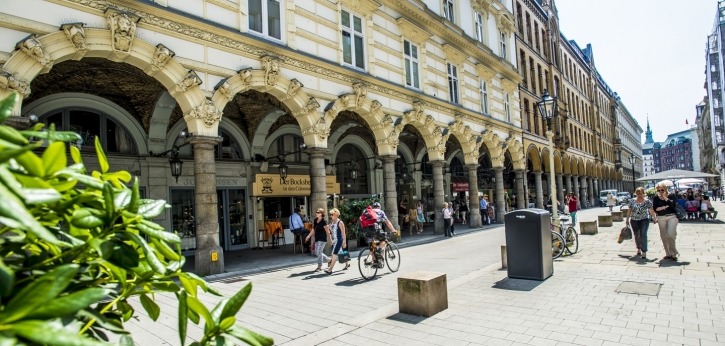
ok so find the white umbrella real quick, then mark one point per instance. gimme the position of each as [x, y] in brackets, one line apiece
[666, 182]
[691, 181]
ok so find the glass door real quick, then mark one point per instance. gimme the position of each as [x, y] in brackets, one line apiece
[232, 218]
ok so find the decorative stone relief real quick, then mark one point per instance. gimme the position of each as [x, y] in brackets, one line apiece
[190, 80]
[417, 113]
[12, 83]
[123, 29]
[226, 90]
[246, 76]
[33, 48]
[412, 31]
[361, 93]
[76, 34]
[485, 72]
[375, 107]
[312, 104]
[453, 54]
[319, 129]
[457, 125]
[162, 55]
[271, 66]
[440, 139]
[392, 140]
[365, 7]
[386, 122]
[207, 112]
[294, 87]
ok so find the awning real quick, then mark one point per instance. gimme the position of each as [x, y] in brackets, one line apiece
[459, 184]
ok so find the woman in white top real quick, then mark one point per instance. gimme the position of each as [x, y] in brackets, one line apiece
[447, 219]
[611, 201]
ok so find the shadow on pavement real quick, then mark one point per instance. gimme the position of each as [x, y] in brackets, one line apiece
[671, 263]
[405, 318]
[353, 282]
[517, 284]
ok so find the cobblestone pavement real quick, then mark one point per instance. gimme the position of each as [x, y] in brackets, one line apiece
[579, 304]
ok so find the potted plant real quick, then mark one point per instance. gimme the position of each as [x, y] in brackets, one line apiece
[349, 214]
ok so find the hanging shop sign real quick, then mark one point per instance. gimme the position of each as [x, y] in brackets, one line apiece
[459, 185]
[271, 185]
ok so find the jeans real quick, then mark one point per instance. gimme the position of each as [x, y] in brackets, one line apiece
[484, 216]
[573, 218]
[668, 233]
[639, 230]
[447, 226]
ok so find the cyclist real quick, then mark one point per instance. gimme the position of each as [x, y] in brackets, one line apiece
[380, 232]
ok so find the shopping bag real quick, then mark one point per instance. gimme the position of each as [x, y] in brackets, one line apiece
[343, 256]
[625, 234]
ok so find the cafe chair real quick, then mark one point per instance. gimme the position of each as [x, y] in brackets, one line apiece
[262, 239]
[278, 237]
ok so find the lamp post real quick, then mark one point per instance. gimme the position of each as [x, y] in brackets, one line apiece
[548, 107]
[632, 159]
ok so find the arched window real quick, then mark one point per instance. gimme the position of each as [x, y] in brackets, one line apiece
[228, 149]
[287, 144]
[90, 124]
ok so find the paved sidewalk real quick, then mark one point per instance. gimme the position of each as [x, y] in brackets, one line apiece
[579, 304]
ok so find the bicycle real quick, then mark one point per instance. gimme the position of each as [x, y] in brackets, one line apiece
[567, 240]
[369, 263]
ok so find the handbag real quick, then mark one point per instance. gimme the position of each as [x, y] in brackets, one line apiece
[624, 234]
[681, 215]
[343, 256]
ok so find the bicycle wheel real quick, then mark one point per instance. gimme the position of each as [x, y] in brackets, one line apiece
[392, 257]
[366, 264]
[557, 245]
[572, 240]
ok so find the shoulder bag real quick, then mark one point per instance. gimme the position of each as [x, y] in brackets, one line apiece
[681, 214]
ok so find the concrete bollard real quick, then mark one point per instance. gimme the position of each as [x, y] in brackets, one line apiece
[422, 293]
[588, 227]
[504, 260]
[617, 216]
[605, 220]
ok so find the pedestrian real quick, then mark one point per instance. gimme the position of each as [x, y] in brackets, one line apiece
[421, 215]
[707, 209]
[339, 238]
[413, 219]
[572, 202]
[491, 214]
[402, 212]
[321, 230]
[483, 205]
[638, 215]
[447, 220]
[664, 206]
[550, 202]
[297, 227]
[611, 200]
[463, 210]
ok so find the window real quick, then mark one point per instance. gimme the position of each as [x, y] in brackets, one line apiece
[484, 97]
[503, 45]
[265, 17]
[90, 124]
[448, 10]
[507, 108]
[412, 78]
[453, 82]
[353, 51]
[286, 144]
[479, 26]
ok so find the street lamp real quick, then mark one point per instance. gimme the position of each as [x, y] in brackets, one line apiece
[632, 159]
[548, 107]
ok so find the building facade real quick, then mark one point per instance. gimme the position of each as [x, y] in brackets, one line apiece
[708, 156]
[629, 155]
[647, 153]
[714, 82]
[271, 105]
[676, 152]
[585, 142]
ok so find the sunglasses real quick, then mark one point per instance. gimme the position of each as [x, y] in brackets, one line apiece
[318, 212]
[660, 190]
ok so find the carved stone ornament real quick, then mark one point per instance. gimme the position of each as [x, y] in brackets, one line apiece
[76, 34]
[312, 104]
[10, 82]
[365, 7]
[485, 72]
[207, 112]
[271, 66]
[412, 31]
[33, 48]
[361, 93]
[457, 125]
[294, 87]
[454, 55]
[319, 129]
[225, 90]
[392, 140]
[162, 55]
[246, 76]
[375, 106]
[123, 29]
[385, 123]
[416, 113]
[190, 80]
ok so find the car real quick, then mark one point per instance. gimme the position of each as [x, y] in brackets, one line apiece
[603, 196]
[623, 197]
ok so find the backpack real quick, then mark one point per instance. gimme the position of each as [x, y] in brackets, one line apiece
[368, 218]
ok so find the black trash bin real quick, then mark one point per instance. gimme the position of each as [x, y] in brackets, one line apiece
[528, 244]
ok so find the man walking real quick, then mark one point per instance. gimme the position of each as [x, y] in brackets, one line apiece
[483, 205]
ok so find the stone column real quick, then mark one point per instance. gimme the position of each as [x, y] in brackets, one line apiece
[539, 190]
[521, 198]
[559, 190]
[575, 190]
[596, 187]
[500, 200]
[590, 191]
[582, 190]
[438, 194]
[206, 208]
[389, 189]
[474, 212]
[567, 182]
[318, 187]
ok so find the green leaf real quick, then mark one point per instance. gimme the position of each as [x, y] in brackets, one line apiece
[69, 304]
[82, 178]
[249, 336]
[87, 218]
[183, 316]
[196, 306]
[7, 279]
[126, 309]
[112, 324]
[166, 286]
[236, 301]
[12, 135]
[7, 105]
[38, 292]
[116, 178]
[52, 136]
[102, 160]
[165, 250]
[40, 196]
[188, 283]
[126, 340]
[75, 154]
[12, 208]
[42, 332]
[121, 254]
[135, 197]
[108, 201]
[150, 306]
[149, 254]
[9, 153]
[54, 157]
[227, 323]
[122, 198]
[204, 286]
[157, 234]
[32, 163]
[152, 209]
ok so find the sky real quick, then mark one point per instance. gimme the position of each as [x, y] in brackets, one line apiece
[651, 52]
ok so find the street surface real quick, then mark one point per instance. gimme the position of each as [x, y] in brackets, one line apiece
[579, 304]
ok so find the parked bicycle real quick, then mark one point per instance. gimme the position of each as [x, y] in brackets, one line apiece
[369, 261]
[565, 240]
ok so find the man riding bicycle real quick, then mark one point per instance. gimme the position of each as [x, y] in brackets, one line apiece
[379, 234]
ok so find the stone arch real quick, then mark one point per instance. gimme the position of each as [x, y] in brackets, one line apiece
[62, 100]
[160, 121]
[290, 92]
[229, 126]
[534, 156]
[590, 169]
[566, 164]
[76, 42]
[468, 140]
[582, 168]
[282, 130]
[495, 146]
[261, 133]
[558, 169]
[356, 141]
[515, 150]
[433, 136]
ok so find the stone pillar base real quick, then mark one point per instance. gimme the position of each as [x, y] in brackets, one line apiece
[605, 220]
[617, 216]
[204, 264]
[588, 227]
[422, 293]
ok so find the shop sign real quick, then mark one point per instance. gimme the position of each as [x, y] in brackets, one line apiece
[460, 186]
[295, 185]
[220, 181]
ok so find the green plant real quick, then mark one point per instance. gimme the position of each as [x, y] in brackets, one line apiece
[75, 247]
[349, 214]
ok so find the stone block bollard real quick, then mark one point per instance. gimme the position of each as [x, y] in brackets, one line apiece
[617, 216]
[588, 227]
[605, 220]
[422, 293]
[504, 259]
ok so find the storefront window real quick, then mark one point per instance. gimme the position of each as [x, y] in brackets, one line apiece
[89, 125]
[182, 217]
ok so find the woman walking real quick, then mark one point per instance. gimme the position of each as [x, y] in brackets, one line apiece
[337, 229]
[463, 209]
[638, 218]
[664, 206]
[413, 219]
[322, 235]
